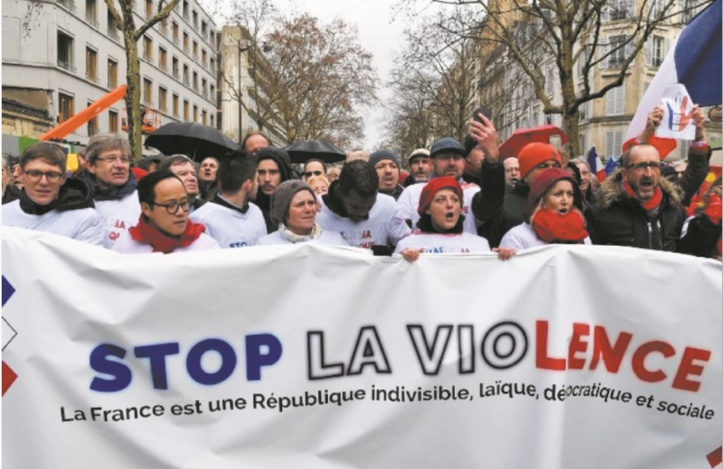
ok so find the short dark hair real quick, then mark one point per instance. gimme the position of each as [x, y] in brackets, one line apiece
[251, 134]
[46, 151]
[173, 160]
[147, 185]
[360, 176]
[323, 165]
[236, 169]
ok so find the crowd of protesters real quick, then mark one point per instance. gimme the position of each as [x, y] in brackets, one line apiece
[456, 197]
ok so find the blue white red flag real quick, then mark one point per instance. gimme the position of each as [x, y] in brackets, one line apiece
[694, 61]
[596, 166]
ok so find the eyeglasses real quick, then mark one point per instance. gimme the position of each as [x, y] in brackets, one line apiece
[545, 165]
[308, 174]
[173, 207]
[52, 176]
[653, 165]
[115, 159]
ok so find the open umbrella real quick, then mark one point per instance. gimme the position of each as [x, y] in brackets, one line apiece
[307, 149]
[521, 137]
[195, 140]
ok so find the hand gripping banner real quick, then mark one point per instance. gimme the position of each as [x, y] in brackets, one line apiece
[314, 357]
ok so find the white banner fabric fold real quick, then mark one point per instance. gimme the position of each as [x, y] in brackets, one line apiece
[315, 357]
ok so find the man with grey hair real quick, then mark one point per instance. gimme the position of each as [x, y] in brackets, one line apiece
[183, 167]
[112, 183]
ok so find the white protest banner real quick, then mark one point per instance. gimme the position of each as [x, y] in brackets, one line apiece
[677, 119]
[301, 356]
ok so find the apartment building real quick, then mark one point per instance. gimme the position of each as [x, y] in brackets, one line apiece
[59, 56]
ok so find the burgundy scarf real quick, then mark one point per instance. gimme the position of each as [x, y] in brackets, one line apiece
[553, 227]
[651, 204]
[161, 242]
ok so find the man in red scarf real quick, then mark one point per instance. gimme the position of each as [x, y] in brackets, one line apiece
[636, 206]
[163, 225]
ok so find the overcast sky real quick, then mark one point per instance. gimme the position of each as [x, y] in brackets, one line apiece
[377, 33]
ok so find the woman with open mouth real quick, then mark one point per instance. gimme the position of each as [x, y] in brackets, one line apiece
[439, 229]
[553, 214]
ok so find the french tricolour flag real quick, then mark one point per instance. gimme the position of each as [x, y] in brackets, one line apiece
[694, 61]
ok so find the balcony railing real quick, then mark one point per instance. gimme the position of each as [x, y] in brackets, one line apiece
[66, 65]
[113, 33]
[92, 20]
[92, 77]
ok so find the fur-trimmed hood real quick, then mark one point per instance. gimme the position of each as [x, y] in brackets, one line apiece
[611, 191]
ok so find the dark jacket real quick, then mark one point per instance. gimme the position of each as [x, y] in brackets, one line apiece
[487, 204]
[11, 194]
[694, 174]
[283, 161]
[73, 195]
[620, 220]
[701, 237]
[510, 208]
[395, 193]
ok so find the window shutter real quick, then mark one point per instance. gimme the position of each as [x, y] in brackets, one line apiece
[609, 144]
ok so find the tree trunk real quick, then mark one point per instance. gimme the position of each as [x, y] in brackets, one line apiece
[133, 96]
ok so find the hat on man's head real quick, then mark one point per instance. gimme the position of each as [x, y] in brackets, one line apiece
[447, 145]
[434, 186]
[281, 198]
[281, 157]
[535, 153]
[380, 155]
[417, 153]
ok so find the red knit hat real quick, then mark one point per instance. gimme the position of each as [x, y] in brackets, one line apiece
[535, 153]
[544, 182]
[434, 186]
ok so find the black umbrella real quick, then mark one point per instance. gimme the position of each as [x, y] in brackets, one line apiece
[195, 140]
[308, 149]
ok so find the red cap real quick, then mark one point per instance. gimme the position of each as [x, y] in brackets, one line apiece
[535, 153]
[434, 186]
[544, 182]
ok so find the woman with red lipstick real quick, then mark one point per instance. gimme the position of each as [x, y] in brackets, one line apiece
[439, 229]
[293, 210]
[553, 214]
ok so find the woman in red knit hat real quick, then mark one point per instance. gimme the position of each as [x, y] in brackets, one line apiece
[553, 213]
[439, 229]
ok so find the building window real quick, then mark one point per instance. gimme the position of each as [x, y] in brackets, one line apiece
[186, 114]
[164, 26]
[195, 20]
[211, 120]
[203, 87]
[195, 50]
[617, 49]
[65, 51]
[615, 101]
[147, 48]
[185, 10]
[175, 67]
[92, 124]
[162, 96]
[174, 32]
[163, 59]
[149, 8]
[91, 12]
[185, 43]
[212, 68]
[91, 64]
[195, 113]
[175, 105]
[185, 74]
[112, 73]
[195, 81]
[658, 52]
[212, 93]
[65, 107]
[147, 91]
[619, 10]
[204, 117]
[112, 28]
[613, 144]
[204, 58]
[204, 28]
[112, 121]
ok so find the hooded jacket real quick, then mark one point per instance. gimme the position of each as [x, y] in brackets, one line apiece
[620, 220]
[283, 161]
[71, 214]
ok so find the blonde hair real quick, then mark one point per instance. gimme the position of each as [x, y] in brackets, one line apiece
[321, 179]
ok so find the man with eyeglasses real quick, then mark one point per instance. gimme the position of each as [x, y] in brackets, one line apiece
[112, 183]
[50, 202]
[163, 225]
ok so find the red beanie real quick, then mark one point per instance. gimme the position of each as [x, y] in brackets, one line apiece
[434, 186]
[544, 182]
[535, 153]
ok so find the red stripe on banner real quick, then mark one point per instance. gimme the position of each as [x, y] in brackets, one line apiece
[715, 458]
[9, 377]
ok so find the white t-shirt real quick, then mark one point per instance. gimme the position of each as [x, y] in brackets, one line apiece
[408, 203]
[329, 238]
[231, 228]
[83, 224]
[119, 215]
[128, 245]
[437, 243]
[385, 225]
[523, 236]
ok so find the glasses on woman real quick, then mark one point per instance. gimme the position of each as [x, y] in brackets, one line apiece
[35, 176]
[172, 208]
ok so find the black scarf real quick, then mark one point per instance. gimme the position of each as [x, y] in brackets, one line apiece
[110, 193]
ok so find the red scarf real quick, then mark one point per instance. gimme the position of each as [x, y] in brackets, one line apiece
[650, 204]
[553, 227]
[713, 210]
[161, 242]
